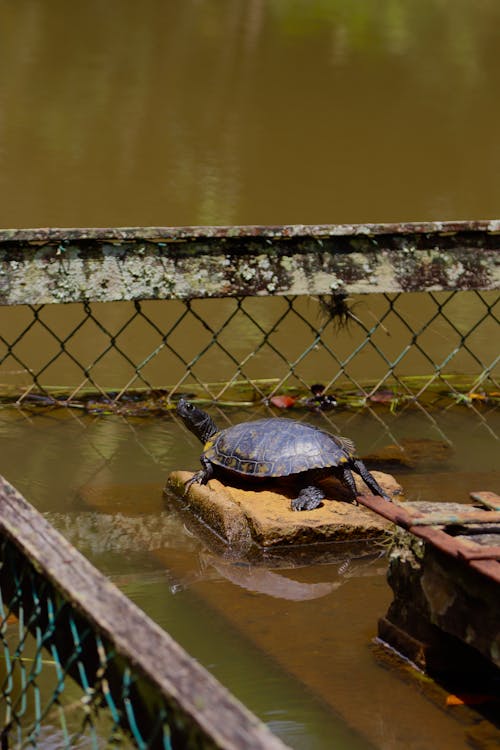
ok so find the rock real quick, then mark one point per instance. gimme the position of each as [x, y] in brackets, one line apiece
[410, 454]
[244, 517]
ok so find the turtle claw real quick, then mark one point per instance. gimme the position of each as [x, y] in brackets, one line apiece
[197, 478]
[308, 499]
[200, 477]
[370, 480]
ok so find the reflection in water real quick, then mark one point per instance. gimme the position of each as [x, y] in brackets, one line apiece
[246, 111]
[261, 580]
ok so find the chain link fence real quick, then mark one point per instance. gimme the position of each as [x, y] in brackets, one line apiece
[247, 349]
[391, 312]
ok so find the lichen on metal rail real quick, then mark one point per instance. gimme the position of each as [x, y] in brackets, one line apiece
[102, 265]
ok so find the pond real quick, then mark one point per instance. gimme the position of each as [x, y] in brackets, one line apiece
[309, 667]
[248, 111]
[182, 112]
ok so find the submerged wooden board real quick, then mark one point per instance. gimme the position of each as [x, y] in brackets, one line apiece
[40, 266]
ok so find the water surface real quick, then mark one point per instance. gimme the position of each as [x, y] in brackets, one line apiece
[309, 668]
[248, 111]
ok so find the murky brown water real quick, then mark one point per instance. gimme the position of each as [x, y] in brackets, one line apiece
[248, 111]
[243, 111]
[309, 668]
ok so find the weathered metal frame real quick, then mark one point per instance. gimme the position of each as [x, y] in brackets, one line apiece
[39, 266]
[201, 713]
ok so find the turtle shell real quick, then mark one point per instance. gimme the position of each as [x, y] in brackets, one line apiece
[276, 448]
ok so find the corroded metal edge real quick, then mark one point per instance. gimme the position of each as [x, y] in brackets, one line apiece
[285, 231]
[201, 711]
[46, 265]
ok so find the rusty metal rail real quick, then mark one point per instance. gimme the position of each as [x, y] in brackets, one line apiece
[435, 528]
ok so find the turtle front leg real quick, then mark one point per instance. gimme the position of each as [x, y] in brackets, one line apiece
[200, 477]
[308, 498]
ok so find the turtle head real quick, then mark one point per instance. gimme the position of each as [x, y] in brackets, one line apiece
[198, 421]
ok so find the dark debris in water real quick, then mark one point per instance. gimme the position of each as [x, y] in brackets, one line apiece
[318, 399]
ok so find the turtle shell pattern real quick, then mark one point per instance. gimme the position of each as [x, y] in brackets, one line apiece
[276, 448]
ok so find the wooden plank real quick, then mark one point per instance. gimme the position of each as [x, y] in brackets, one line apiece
[457, 519]
[113, 264]
[212, 717]
[488, 499]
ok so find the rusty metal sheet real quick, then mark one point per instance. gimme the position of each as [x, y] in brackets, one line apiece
[478, 552]
[39, 266]
[483, 558]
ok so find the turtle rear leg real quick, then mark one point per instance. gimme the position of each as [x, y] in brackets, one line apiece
[200, 477]
[368, 479]
[348, 480]
[308, 498]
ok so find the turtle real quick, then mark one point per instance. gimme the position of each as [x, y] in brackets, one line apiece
[275, 448]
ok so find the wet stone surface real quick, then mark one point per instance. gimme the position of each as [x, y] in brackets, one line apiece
[245, 517]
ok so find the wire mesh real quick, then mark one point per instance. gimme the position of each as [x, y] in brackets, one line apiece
[249, 348]
[61, 685]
